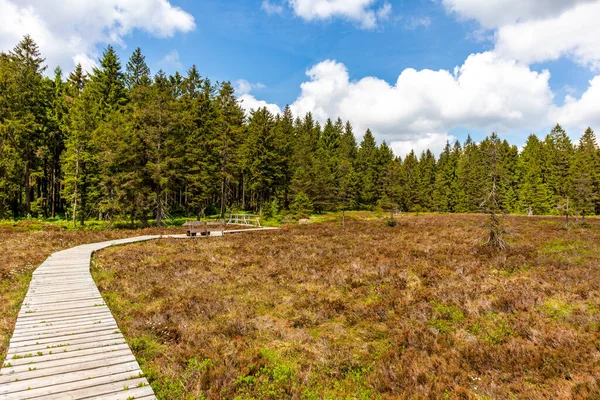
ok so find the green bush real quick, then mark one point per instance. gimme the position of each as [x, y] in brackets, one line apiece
[302, 204]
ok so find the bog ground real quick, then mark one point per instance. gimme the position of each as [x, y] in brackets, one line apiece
[364, 311]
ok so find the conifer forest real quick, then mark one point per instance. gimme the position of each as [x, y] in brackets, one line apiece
[122, 143]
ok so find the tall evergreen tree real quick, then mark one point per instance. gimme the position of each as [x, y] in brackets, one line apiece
[470, 174]
[230, 125]
[107, 83]
[367, 169]
[138, 72]
[76, 81]
[24, 116]
[426, 175]
[584, 174]
[412, 180]
[559, 156]
[259, 153]
[80, 158]
[534, 195]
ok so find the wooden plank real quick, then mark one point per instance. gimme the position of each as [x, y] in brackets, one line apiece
[118, 390]
[70, 382]
[67, 358]
[66, 343]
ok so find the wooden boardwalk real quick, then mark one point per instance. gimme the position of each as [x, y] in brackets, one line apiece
[66, 343]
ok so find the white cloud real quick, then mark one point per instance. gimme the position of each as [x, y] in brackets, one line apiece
[367, 13]
[242, 86]
[249, 103]
[415, 23]
[573, 33]
[170, 61]
[496, 13]
[88, 64]
[536, 31]
[485, 92]
[580, 113]
[69, 31]
[432, 141]
[272, 8]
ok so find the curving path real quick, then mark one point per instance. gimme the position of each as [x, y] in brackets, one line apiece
[66, 343]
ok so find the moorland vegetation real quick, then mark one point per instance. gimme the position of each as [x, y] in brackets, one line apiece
[365, 311]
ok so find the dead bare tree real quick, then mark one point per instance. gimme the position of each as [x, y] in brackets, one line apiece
[491, 205]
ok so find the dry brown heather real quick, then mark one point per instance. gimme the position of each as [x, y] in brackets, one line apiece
[366, 311]
[23, 247]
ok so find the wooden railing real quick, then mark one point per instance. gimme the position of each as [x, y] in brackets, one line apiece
[243, 219]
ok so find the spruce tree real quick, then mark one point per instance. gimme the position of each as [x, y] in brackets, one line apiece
[259, 154]
[230, 127]
[305, 146]
[534, 195]
[412, 180]
[584, 171]
[559, 156]
[25, 103]
[80, 158]
[470, 174]
[107, 83]
[138, 72]
[367, 169]
[76, 81]
[285, 145]
[445, 186]
[426, 175]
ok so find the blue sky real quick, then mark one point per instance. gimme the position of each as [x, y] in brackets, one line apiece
[239, 40]
[517, 60]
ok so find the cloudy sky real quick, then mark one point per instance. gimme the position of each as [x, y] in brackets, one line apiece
[417, 72]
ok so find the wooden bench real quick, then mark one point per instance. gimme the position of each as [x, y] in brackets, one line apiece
[204, 228]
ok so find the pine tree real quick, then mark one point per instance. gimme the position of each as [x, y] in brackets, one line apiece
[393, 183]
[202, 149]
[426, 174]
[470, 174]
[80, 158]
[445, 185]
[259, 153]
[367, 169]
[584, 170]
[304, 148]
[559, 156]
[25, 101]
[412, 180]
[107, 83]
[55, 142]
[77, 81]
[534, 195]
[138, 72]
[230, 125]
[284, 134]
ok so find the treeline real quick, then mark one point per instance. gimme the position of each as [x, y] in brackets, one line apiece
[121, 143]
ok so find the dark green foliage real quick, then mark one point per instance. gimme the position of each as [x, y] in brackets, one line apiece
[120, 144]
[302, 205]
[138, 72]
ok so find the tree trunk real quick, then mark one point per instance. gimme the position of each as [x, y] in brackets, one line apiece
[27, 188]
[75, 192]
[223, 190]
[53, 192]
